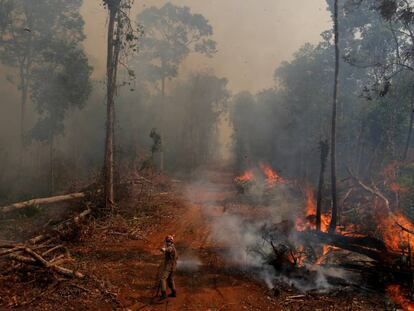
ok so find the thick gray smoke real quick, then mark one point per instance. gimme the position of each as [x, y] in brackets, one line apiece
[239, 232]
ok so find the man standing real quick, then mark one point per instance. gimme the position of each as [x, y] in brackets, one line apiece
[168, 268]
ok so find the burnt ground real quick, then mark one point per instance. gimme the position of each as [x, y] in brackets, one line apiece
[121, 269]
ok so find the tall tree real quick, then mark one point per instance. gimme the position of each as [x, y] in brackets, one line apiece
[199, 102]
[332, 225]
[171, 33]
[26, 30]
[324, 149]
[121, 38]
[67, 73]
[384, 44]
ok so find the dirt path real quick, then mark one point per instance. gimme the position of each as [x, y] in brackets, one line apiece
[203, 282]
[122, 270]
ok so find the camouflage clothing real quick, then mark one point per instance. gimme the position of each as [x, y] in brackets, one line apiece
[168, 268]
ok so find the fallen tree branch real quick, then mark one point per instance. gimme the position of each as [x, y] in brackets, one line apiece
[370, 247]
[404, 228]
[46, 264]
[371, 190]
[42, 201]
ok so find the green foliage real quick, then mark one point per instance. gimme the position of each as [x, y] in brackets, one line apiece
[156, 141]
[42, 39]
[61, 84]
[170, 34]
[30, 212]
[283, 126]
[198, 104]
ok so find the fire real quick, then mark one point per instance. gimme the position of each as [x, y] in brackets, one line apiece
[395, 292]
[326, 249]
[394, 237]
[310, 210]
[271, 176]
[247, 176]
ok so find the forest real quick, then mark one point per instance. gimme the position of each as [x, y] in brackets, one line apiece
[276, 161]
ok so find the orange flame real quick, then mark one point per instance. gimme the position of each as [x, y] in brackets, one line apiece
[271, 176]
[394, 237]
[247, 176]
[395, 292]
[310, 210]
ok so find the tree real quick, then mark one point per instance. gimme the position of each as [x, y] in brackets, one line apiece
[384, 44]
[67, 73]
[26, 30]
[332, 225]
[171, 34]
[121, 38]
[324, 149]
[199, 102]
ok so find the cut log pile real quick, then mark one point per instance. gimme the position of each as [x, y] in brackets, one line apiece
[45, 252]
[41, 252]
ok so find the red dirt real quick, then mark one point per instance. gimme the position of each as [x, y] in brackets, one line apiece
[130, 267]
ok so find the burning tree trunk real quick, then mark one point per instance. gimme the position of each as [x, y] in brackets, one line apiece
[332, 225]
[111, 67]
[324, 148]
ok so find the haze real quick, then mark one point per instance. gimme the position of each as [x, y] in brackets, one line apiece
[253, 37]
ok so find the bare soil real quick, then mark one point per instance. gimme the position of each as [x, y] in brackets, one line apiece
[122, 272]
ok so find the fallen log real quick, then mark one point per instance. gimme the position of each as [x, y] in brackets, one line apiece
[35, 259]
[46, 264]
[42, 201]
[370, 247]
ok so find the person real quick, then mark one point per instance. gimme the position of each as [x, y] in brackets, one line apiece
[168, 267]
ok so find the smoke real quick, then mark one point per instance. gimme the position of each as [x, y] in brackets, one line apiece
[241, 232]
[188, 264]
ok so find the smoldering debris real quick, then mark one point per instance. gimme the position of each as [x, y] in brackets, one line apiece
[248, 236]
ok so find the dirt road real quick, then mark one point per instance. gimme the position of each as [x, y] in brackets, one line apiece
[203, 281]
[122, 269]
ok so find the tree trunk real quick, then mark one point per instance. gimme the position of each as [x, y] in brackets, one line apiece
[110, 110]
[51, 157]
[410, 128]
[162, 127]
[332, 225]
[324, 148]
[23, 104]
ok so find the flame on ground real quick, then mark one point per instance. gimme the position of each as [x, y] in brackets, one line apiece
[394, 237]
[310, 212]
[395, 292]
[272, 177]
[247, 176]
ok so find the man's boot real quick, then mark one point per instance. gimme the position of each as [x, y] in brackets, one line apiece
[163, 295]
[173, 293]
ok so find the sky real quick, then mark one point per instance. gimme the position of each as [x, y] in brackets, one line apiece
[253, 36]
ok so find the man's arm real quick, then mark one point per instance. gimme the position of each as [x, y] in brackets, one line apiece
[168, 249]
